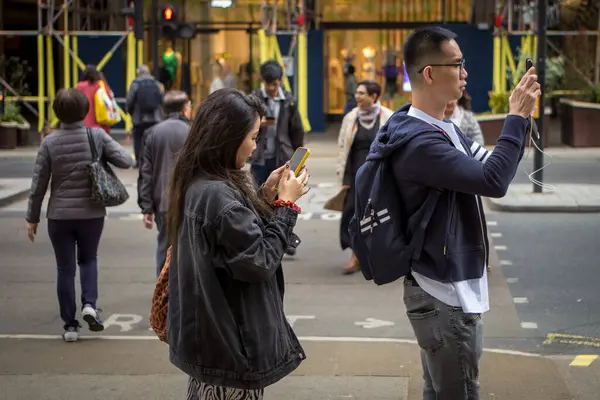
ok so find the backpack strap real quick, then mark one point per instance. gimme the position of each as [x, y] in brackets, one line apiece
[416, 244]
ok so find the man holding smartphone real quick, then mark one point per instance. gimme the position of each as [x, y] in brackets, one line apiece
[281, 132]
[446, 292]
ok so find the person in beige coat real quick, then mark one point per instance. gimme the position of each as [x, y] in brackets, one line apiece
[359, 128]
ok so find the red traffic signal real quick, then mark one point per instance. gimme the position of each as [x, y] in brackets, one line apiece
[169, 13]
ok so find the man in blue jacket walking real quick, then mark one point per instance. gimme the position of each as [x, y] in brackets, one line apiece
[447, 291]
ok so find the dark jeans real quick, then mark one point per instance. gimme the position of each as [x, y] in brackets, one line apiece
[451, 343]
[138, 139]
[71, 237]
[162, 243]
[261, 172]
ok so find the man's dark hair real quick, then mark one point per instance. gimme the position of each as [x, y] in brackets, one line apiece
[70, 106]
[372, 88]
[270, 71]
[423, 45]
[175, 101]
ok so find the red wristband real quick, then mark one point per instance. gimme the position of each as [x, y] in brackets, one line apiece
[290, 204]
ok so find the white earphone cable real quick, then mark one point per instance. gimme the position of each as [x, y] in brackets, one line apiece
[543, 185]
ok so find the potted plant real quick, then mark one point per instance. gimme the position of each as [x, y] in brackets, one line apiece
[23, 137]
[580, 114]
[580, 119]
[15, 71]
[492, 123]
[8, 126]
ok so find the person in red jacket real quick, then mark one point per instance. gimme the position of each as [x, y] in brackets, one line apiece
[89, 85]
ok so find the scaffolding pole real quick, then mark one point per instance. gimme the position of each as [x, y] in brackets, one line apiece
[72, 64]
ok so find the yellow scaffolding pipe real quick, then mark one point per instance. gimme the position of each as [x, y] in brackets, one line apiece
[66, 63]
[274, 46]
[131, 49]
[509, 57]
[302, 72]
[51, 87]
[497, 62]
[41, 94]
[503, 58]
[140, 52]
[263, 46]
[75, 41]
[269, 49]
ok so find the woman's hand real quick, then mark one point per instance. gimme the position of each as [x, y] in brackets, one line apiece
[291, 187]
[270, 186]
[31, 231]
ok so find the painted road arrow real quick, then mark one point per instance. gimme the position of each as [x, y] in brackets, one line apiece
[371, 323]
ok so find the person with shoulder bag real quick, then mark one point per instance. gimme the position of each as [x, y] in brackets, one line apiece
[358, 131]
[226, 326]
[72, 159]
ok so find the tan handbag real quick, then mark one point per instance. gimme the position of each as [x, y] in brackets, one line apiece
[160, 302]
[336, 203]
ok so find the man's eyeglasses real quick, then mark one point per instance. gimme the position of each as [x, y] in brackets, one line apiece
[460, 64]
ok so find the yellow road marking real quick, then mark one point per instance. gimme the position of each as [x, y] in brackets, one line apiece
[583, 360]
[577, 340]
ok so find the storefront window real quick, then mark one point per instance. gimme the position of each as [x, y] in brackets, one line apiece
[395, 10]
[375, 55]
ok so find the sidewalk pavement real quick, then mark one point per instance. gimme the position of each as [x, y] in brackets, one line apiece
[13, 190]
[568, 198]
[334, 369]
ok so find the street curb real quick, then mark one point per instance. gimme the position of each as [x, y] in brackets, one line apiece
[541, 208]
[14, 198]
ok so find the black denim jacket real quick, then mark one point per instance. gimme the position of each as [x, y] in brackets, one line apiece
[226, 324]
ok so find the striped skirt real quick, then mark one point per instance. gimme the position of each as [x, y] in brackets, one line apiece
[204, 391]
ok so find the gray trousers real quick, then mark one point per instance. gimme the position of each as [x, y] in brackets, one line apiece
[162, 242]
[451, 343]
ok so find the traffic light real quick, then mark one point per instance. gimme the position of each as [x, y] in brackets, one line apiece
[135, 18]
[168, 16]
[172, 28]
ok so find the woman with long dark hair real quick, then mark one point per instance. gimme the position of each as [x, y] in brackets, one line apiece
[226, 326]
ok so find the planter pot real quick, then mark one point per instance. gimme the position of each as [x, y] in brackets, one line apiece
[491, 127]
[24, 135]
[580, 122]
[8, 136]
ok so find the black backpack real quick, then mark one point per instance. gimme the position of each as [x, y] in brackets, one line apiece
[148, 96]
[380, 226]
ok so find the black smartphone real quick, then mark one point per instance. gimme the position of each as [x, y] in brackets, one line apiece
[534, 128]
[528, 64]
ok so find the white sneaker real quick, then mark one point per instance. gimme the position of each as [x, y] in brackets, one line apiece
[92, 317]
[71, 334]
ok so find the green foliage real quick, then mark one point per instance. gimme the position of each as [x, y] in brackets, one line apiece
[12, 113]
[555, 71]
[594, 94]
[499, 102]
[15, 72]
